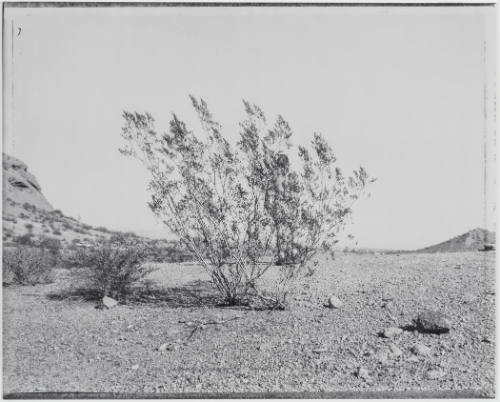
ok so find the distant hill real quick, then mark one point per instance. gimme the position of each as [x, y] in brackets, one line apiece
[29, 218]
[474, 240]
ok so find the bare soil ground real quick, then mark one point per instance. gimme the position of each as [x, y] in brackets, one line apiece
[54, 340]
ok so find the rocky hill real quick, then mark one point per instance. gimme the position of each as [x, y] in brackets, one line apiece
[473, 240]
[21, 187]
[29, 218]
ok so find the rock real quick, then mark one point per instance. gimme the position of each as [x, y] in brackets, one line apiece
[389, 306]
[381, 357]
[135, 367]
[412, 359]
[395, 351]
[20, 186]
[334, 302]
[421, 350]
[434, 374]
[487, 247]
[391, 332]
[468, 298]
[109, 302]
[363, 373]
[432, 322]
[164, 347]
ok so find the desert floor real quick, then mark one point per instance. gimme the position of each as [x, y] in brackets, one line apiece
[55, 341]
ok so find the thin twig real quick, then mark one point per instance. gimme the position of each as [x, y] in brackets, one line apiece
[203, 323]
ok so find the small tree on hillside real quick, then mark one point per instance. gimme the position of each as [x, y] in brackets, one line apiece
[242, 208]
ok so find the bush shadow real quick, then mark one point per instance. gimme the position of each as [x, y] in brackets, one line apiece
[196, 293]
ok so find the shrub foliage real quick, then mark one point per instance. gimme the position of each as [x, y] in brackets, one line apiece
[113, 270]
[27, 266]
[241, 208]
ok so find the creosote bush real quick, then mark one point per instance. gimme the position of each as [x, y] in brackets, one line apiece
[242, 208]
[27, 266]
[113, 270]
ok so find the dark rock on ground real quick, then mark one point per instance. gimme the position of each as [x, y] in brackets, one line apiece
[432, 322]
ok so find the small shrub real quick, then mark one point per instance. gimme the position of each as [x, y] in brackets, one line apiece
[115, 269]
[168, 252]
[57, 232]
[9, 218]
[29, 226]
[27, 266]
[67, 226]
[29, 207]
[51, 244]
[25, 240]
[72, 256]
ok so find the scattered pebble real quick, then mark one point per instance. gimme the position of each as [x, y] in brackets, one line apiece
[164, 347]
[391, 332]
[396, 352]
[421, 350]
[434, 374]
[334, 302]
[363, 373]
[381, 357]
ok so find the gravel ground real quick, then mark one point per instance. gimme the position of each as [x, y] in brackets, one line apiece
[68, 345]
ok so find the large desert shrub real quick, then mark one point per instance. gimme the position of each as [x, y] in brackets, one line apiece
[241, 208]
[113, 269]
[27, 266]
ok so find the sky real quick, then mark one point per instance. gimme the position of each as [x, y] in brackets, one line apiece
[406, 93]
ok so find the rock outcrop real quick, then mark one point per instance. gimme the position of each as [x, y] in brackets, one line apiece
[20, 186]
